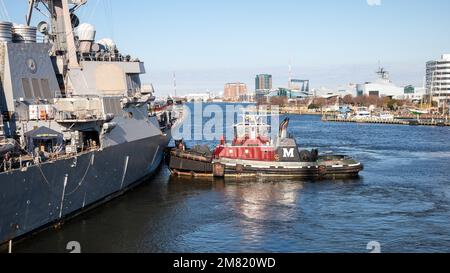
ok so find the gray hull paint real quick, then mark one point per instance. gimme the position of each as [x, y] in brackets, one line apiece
[38, 197]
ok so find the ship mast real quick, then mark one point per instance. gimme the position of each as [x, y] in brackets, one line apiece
[30, 11]
[174, 85]
[290, 75]
[63, 14]
[62, 29]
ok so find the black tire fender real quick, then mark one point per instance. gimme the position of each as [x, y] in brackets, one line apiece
[322, 170]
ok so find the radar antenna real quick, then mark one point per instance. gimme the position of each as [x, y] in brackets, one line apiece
[383, 73]
[63, 21]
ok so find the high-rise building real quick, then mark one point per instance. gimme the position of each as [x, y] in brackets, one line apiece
[438, 79]
[263, 82]
[234, 91]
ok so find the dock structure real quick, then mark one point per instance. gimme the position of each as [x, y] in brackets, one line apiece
[396, 121]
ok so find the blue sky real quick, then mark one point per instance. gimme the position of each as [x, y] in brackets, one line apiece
[331, 42]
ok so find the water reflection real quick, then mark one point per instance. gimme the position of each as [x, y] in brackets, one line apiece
[260, 204]
[256, 200]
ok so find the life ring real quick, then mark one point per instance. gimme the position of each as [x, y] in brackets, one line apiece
[277, 158]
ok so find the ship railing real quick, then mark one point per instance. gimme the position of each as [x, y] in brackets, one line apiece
[13, 163]
[106, 57]
[26, 161]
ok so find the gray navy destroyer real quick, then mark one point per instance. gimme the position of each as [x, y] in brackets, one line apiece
[76, 126]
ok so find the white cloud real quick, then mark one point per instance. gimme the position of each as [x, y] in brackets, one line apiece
[374, 3]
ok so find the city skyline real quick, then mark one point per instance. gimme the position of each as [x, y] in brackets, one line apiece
[329, 42]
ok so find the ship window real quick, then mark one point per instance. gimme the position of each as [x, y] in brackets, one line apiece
[27, 88]
[36, 88]
[45, 87]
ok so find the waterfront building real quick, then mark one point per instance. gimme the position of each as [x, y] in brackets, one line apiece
[263, 82]
[415, 94]
[261, 94]
[299, 85]
[346, 90]
[234, 91]
[249, 97]
[382, 87]
[198, 97]
[378, 88]
[438, 79]
[288, 93]
[263, 86]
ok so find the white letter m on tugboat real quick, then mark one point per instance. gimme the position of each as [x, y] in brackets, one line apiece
[288, 153]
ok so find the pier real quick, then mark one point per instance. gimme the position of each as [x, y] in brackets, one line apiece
[396, 121]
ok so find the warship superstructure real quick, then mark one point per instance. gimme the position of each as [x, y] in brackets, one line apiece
[76, 126]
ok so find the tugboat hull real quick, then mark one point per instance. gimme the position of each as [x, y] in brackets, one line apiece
[193, 164]
[307, 172]
[184, 164]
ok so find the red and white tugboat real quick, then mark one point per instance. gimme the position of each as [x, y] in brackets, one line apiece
[254, 153]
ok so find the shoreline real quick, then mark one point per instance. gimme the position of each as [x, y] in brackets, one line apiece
[396, 121]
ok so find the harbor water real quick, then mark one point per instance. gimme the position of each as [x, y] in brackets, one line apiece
[401, 201]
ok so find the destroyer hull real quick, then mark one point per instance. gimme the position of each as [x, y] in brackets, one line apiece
[50, 193]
